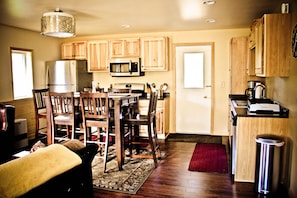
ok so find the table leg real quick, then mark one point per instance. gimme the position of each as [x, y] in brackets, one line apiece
[48, 121]
[120, 153]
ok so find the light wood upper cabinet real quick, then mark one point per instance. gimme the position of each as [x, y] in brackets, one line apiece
[124, 48]
[154, 54]
[272, 33]
[74, 50]
[238, 65]
[97, 56]
[252, 38]
[252, 50]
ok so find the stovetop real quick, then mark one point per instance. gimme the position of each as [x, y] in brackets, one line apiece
[135, 88]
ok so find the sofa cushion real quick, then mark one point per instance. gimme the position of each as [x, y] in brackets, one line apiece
[21, 175]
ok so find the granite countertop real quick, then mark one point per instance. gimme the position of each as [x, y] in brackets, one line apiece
[242, 111]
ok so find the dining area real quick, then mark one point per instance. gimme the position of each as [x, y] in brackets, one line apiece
[109, 119]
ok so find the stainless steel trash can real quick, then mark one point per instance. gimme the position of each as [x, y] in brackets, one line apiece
[268, 163]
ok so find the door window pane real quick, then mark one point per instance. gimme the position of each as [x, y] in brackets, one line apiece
[194, 70]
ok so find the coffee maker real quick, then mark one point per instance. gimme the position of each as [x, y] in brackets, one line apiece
[250, 92]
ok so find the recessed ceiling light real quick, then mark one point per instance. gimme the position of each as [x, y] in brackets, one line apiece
[125, 26]
[210, 20]
[209, 2]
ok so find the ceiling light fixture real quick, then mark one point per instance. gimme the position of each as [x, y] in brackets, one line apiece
[58, 24]
[210, 20]
[209, 2]
[126, 26]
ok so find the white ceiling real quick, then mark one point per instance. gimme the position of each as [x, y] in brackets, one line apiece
[100, 17]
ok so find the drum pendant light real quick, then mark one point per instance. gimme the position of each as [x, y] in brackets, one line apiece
[58, 24]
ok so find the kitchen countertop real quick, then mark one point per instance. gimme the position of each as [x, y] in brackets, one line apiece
[242, 111]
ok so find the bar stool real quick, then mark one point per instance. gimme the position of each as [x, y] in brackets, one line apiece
[141, 142]
[40, 111]
[95, 113]
[126, 111]
[63, 116]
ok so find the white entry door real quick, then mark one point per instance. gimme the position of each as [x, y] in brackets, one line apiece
[193, 103]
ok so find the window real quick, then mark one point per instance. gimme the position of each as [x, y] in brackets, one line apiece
[21, 61]
[194, 70]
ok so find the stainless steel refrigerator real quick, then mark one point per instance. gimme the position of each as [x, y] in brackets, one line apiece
[68, 75]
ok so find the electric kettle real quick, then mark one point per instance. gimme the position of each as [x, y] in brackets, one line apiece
[259, 91]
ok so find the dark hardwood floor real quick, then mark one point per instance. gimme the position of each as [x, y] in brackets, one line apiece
[172, 179]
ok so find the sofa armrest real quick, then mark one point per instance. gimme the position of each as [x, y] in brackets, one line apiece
[75, 183]
[88, 153]
[23, 174]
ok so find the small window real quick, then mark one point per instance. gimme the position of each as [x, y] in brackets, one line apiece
[194, 70]
[21, 61]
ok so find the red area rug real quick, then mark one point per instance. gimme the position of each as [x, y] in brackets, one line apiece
[208, 157]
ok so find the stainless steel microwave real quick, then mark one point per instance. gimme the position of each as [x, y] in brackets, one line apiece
[125, 67]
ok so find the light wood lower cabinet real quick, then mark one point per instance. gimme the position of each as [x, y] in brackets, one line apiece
[247, 130]
[162, 116]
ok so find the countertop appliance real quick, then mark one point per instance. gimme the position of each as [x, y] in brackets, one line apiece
[250, 92]
[68, 75]
[125, 67]
[135, 87]
[259, 91]
[263, 106]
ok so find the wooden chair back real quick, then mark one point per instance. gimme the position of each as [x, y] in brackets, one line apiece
[63, 112]
[95, 109]
[152, 105]
[95, 113]
[40, 110]
[39, 100]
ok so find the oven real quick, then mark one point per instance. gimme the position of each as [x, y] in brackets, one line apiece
[233, 121]
[233, 147]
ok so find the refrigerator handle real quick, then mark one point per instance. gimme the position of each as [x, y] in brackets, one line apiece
[46, 76]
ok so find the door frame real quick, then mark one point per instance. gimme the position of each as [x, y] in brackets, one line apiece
[174, 46]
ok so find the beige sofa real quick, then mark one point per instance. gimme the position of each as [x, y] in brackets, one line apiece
[55, 170]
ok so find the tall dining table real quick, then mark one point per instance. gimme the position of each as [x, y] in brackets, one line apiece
[120, 101]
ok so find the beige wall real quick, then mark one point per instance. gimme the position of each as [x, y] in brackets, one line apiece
[44, 48]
